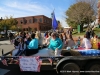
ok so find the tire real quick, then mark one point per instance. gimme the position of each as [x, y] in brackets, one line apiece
[70, 69]
[93, 69]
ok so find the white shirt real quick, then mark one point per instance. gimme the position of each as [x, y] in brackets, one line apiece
[86, 43]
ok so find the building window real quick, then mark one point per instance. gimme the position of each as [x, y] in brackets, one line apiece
[30, 21]
[21, 21]
[45, 21]
[35, 20]
[25, 21]
[40, 19]
[48, 21]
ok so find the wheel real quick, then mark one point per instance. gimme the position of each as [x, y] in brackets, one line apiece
[70, 69]
[93, 69]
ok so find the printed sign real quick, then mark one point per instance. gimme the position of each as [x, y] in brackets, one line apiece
[29, 64]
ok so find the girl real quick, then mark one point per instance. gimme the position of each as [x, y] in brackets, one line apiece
[95, 42]
[16, 43]
[86, 43]
[22, 47]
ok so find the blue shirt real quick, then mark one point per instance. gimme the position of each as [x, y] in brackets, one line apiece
[27, 42]
[33, 44]
[57, 43]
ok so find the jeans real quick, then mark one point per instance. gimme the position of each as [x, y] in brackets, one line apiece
[19, 53]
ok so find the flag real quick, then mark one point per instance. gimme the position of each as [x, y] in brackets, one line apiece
[4, 62]
[54, 21]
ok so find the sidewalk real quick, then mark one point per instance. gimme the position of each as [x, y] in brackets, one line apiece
[6, 42]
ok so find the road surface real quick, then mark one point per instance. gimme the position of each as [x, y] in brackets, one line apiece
[6, 46]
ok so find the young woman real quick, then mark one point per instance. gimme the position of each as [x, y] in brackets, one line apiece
[70, 42]
[32, 48]
[55, 45]
[21, 47]
[94, 42]
[86, 43]
[47, 40]
[16, 43]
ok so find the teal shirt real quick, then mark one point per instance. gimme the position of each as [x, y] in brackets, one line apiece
[57, 43]
[33, 44]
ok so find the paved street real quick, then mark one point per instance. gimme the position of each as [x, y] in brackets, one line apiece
[6, 46]
[6, 42]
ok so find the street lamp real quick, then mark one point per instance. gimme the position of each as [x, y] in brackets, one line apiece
[5, 30]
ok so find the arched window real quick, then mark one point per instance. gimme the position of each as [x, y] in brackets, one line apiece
[30, 21]
[35, 20]
[25, 21]
[40, 19]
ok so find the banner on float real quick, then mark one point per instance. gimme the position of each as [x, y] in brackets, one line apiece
[29, 64]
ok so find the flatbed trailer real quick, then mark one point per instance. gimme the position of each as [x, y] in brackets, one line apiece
[65, 65]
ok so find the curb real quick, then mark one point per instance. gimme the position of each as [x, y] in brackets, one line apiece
[2, 39]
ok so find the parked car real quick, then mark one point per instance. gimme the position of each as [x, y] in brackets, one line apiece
[2, 32]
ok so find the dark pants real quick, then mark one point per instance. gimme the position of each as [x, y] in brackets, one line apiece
[29, 52]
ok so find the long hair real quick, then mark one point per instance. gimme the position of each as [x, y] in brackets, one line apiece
[21, 42]
[70, 37]
[65, 36]
[61, 37]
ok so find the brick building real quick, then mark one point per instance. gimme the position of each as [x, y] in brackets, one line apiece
[40, 22]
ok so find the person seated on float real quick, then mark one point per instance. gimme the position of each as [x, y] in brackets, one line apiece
[95, 42]
[55, 45]
[78, 42]
[70, 42]
[47, 40]
[21, 47]
[86, 43]
[28, 40]
[32, 48]
[16, 43]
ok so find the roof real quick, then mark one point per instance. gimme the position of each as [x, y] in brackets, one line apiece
[32, 16]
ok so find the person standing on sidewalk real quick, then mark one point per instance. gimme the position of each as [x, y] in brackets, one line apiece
[11, 36]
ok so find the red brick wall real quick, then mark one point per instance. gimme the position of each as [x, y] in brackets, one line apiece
[46, 23]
